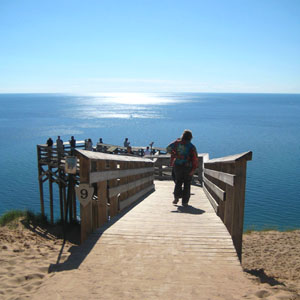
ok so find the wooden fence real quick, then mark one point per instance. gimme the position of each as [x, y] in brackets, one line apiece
[117, 182]
[224, 184]
[136, 150]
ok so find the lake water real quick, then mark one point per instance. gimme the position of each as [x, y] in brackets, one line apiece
[222, 124]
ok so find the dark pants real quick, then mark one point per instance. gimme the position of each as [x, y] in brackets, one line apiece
[182, 178]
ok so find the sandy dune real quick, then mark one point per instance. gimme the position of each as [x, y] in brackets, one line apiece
[273, 257]
[27, 255]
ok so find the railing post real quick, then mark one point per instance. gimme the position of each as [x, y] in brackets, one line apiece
[102, 195]
[113, 201]
[230, 196]
[40, 177]
[238, 206]
[86, 214]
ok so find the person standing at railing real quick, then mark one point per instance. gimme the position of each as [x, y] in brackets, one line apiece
[49, 148]
[72, 142]
[60, 148]
[89, 145]
[126, 143]
[184, 160]
[147, 151]
[50, 142]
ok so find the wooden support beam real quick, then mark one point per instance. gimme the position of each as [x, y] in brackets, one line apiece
[51, 197]
[102, 197]
[85, 211]
[113, 196]
[40, 175]
[238, 207]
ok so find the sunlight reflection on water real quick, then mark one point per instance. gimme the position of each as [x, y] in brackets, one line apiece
[122, 106]
[134, 98]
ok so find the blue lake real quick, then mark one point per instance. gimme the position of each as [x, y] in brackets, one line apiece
[222, 124]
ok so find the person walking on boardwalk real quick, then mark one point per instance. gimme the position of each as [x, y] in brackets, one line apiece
[184, 159]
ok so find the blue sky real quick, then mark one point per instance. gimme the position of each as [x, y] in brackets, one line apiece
[150, 46]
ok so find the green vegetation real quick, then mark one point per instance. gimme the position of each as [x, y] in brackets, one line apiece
[12, 217]
[29, 217]
[15, 218]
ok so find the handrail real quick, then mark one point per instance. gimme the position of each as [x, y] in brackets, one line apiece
[118, 181]
[163, 171]
[224, 184]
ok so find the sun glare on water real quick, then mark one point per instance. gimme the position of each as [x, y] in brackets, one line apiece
[123, 105]
[134, 98]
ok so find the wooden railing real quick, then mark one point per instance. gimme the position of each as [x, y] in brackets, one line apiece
[52, 154]
[224, 184]
[117, 182]
[115, 149]
[163, 171]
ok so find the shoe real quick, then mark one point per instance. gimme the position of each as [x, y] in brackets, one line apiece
[176, 200]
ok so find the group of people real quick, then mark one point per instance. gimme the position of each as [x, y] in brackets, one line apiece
[147, 151]
[184, 160]
[60, 144]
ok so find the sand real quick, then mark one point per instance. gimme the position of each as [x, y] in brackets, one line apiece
[273, 258]
[271, 261]
[26, 256]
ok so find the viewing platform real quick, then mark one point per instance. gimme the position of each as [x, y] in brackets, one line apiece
[137, 245]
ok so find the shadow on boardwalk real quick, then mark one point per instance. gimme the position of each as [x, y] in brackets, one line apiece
[188, 210]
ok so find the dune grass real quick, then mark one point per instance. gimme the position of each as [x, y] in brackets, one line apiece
[11, 218]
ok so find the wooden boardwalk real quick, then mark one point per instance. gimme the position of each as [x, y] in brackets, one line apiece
[155, 251]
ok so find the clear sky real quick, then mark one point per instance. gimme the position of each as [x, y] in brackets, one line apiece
[80, 46]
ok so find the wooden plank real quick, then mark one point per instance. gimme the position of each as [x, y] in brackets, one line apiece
[113, 157]
[125, 187]
[211, 200]
[132, 199]
[231, 158]
[107, 175]
[225, 177]
[86, 221]
[219, 193]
